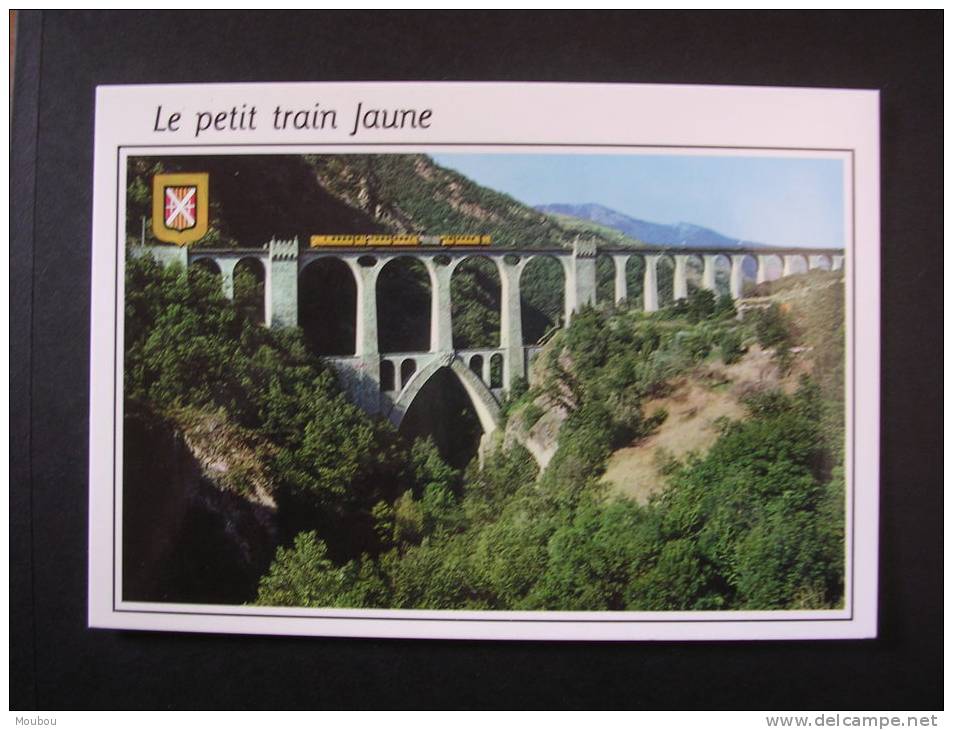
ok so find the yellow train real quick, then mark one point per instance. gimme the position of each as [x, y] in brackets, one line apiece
[402, 239]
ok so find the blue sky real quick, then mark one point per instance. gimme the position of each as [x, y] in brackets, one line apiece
[784, 201]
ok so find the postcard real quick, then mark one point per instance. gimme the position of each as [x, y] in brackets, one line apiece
[485, 361]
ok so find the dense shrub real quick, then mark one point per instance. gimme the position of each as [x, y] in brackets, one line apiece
[730, 346]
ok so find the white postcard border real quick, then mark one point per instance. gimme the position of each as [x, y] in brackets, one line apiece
[847, 121]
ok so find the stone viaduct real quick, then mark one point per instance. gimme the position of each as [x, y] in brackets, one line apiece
[387, 383]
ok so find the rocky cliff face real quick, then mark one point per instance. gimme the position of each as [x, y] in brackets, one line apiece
[199, 515]
[539, 432]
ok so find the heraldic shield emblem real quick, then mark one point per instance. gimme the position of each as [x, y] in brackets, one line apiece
[180, 207]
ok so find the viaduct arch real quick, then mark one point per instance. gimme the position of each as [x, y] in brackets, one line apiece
[484, 402]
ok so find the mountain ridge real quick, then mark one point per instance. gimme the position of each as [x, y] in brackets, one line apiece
[678, 234]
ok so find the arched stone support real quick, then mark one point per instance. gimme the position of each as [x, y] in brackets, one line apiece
[361, 372]
[837, 263]
[485, 405]
[268, 295]
[708, 273]
[763, 263]
[737, 276]
[511, 324]
[788, 266]
[584, 274]
[365, 329]
[225, 261]
[621, 285]
[569, 293]
[441, 321]
[283, 287]
[650, 283]
[226, 270]
[227, 267]
[680, 282]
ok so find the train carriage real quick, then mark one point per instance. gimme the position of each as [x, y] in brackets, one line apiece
[403, 240]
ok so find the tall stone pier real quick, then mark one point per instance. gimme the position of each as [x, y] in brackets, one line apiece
[281, 295]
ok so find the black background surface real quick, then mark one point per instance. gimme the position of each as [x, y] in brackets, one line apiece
[56, 662]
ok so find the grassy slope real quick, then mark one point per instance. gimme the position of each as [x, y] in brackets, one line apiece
[714, 390]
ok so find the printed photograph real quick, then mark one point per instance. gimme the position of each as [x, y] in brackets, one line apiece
[533, 381]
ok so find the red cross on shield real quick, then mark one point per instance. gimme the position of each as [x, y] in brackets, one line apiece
[180, 206]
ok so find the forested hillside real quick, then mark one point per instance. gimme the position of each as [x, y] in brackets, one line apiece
[252, 423]
[754, 523]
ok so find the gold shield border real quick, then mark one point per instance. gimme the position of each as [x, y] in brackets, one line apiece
[159, 183]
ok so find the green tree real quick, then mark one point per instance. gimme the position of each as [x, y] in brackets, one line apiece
[700, 305]
[305, 576]
[730, 346]
[775, 332]
[725, 307]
